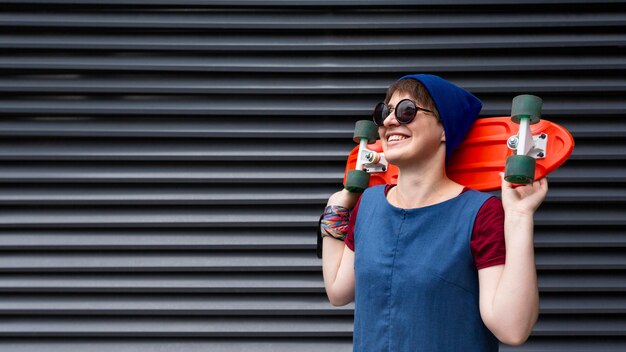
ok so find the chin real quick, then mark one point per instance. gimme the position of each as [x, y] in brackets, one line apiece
[396, 157]
[407, 155]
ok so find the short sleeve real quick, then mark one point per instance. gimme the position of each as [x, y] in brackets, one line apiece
[487, 243]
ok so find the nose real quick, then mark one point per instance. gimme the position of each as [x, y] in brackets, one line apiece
[390, 120]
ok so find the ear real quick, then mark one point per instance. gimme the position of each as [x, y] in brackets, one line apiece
[443, 136]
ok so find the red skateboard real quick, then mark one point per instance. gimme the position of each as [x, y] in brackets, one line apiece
[523, 145]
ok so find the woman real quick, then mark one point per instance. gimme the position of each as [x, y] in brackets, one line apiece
[424, 261]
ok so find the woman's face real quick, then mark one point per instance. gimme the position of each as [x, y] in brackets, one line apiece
[414, 142]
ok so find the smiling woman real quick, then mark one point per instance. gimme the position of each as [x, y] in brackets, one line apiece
[424, 260]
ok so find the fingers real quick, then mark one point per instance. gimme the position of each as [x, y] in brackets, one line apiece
[539, 184]
[505, 183]
[542, 186]
[543, 183]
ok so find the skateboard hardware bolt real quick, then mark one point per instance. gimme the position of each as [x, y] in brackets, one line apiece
[366, 170]
[373, 157]
[540, 155]
[512, 142]
[384, 168]
[543, 136]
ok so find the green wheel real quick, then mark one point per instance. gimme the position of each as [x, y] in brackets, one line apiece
[520, 169]
[365, 129]
[357, 181]
[526, 106]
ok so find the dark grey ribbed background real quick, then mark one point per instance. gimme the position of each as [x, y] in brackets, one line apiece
[163, 163]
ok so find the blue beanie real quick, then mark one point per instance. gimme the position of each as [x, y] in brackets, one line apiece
[458, 108]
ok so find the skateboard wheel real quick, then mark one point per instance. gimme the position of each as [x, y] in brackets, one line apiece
[357, 181]
[520, 169]
[365, 129]
[526, 106]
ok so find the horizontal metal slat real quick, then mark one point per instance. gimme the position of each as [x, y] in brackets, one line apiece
[608, 148]
[153, 105]
[214, 149]
[596, 128]
[576, 171]
[306, 215]
[608, 259]
[569, 344]
[573, 172]
[205, 261]
[267, 326]
[173, 304]
[398, 64]
[232, 172]
[180, 327]
[534, 344]
[553, 214]
[160, 216]
[587, 194]
[315, 127]
[163, 282]
[582, 281]
[581, 259]
[266, 194]
[237, 238]
[289, 19]
[587, 344]
[229, 150]
[292, 86]
[570, 325]
[269, 43]
[565, 236]
[258, 238]
[255, 282]
[320, 127]
[121, 344]
[313, 3]
[162, 194]
[257, 304]
[553, 303]
[158, 239]
[260, 105]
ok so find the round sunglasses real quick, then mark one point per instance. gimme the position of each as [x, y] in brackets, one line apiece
[405, 112]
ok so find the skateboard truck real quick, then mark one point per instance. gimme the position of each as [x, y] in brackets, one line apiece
[536, 148]
[520, 168]
[371, 161]
[365, 132]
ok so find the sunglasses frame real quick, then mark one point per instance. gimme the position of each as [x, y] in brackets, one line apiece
[395, 111]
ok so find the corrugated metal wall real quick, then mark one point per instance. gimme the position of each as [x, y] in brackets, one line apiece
[163, 163]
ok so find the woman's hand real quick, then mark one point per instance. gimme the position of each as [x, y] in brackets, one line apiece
[523, 200]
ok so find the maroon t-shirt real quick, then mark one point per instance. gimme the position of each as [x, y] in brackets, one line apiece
[487, 242]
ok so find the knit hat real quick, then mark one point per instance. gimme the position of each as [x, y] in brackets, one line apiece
[458, 108]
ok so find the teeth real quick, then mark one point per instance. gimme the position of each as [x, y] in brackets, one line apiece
[396, 137]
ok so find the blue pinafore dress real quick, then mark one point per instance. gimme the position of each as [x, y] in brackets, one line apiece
[416, 281]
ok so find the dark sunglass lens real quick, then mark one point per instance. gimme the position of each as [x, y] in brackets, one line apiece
[380, 112]
[405, 112]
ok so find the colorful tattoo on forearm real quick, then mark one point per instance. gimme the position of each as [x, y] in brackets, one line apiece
[335, 222]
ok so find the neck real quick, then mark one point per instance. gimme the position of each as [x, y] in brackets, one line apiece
[423, 185]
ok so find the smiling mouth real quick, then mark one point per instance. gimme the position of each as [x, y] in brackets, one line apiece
[396, 138]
